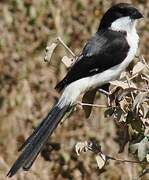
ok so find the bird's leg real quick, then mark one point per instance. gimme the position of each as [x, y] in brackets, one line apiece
[105, 90]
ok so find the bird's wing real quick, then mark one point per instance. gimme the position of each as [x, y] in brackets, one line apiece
[103, 51]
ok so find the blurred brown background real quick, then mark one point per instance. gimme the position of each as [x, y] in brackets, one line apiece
[27, 87]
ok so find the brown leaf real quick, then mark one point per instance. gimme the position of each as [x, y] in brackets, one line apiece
[142, 147]
[139, 99]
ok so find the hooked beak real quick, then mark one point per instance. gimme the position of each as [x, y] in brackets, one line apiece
[137, 15]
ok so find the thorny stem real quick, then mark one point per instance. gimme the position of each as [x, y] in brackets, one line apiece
[68, 49]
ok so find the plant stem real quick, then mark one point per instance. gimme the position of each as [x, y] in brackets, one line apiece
[68, 49]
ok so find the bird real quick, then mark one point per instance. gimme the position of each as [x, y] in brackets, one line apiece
[105, 55]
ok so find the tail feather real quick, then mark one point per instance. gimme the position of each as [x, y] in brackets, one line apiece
[37, 140]
[30, 162]
[28, 140]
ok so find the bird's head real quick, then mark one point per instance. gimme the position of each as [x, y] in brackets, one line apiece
[120, 17]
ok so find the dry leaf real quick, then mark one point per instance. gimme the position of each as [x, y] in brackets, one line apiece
[124, 105]
[139, 99]
[137, 68]
[142, 147]
[49, 51]
[101, 160]
[123, 75]
[145, 108]
[81, 146]
[119, 84]
[67, 61]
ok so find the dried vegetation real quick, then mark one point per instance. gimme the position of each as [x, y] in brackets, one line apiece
[27, 93]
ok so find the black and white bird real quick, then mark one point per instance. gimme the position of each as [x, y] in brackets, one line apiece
[103, 58]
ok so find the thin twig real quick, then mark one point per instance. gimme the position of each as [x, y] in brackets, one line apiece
[93, 105]
[123, 160]
[133, 77]
[68, 49]
[96, 148]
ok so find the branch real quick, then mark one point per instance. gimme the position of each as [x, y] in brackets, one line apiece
[93, 105]
[123, 160]
[101, 158]
[66, 47]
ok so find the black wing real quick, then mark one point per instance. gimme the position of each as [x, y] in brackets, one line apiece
[103, 51]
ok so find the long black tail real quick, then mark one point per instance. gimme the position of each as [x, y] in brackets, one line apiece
[34, 144]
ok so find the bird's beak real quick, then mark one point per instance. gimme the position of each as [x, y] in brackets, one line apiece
[137, 15]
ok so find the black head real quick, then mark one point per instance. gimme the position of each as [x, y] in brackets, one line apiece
[118, 11]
